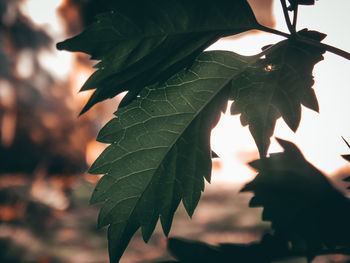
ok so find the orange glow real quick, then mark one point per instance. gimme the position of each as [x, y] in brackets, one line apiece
[12, 212]
[9, 117]
[93, 150]
[319, 135]
[268, 67]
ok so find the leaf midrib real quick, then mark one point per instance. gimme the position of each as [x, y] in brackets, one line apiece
[180, 134]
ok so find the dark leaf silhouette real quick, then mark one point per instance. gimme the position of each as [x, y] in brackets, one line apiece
[188, 251]
[299, 200]
[277, 86]
[347, 157]
[142, 42]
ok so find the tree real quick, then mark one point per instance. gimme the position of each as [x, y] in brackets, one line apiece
[159, 153]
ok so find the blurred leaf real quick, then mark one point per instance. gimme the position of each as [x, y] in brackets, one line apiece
[142, 42]
[277, 86]
[188, 251]
[160, 149]
[299, 200]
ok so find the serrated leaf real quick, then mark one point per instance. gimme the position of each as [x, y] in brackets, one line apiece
[142, 42]
[277, 86]
[299, 200]
[160, 151]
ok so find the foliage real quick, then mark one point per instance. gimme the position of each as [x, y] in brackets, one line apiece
[159, 151]
[299, 200]
[276, 86]
[129, 41]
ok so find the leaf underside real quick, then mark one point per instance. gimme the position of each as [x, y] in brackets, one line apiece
[277, 86]
[299, 200]
[140, 43]
[160, 151]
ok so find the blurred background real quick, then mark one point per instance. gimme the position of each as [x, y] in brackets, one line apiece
[45, 149]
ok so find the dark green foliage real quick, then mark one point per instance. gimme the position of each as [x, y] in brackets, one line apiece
[277, 86]
[140, 43]
[299, 200]
[267, 249]
[160, 151]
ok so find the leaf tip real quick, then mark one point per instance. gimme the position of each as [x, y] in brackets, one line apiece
[60, 45]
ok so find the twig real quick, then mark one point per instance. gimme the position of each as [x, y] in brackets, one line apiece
[286, 17]
[273, 31]
[295, 17]
[309, 41]
[329, 48]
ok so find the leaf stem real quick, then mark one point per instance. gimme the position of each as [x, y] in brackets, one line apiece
[328, 48]
[273, 31]
[286, 17]
[309, 41]
[295, 17]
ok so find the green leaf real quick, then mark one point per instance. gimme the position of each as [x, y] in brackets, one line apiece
[276, 86]
[160, 151]
[142, 42]
[298, 199]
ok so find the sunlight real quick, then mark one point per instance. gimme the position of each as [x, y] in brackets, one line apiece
[43, 13]
[319, 135]
[59, 64]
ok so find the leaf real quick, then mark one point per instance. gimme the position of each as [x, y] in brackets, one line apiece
[277, 86]
[142, 42]
[160, 151]
[299, 200]
[266, 250]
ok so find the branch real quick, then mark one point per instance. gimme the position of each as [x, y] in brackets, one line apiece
[309, 41]
[273, 31]
[329, 48]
